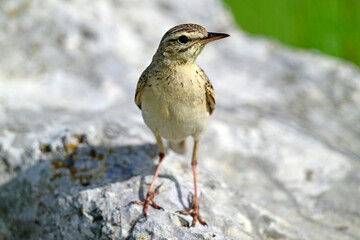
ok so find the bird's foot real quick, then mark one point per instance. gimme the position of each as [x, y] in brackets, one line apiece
[149, 201]
[194, 212]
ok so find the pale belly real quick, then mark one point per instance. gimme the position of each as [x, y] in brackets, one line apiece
[175, 115]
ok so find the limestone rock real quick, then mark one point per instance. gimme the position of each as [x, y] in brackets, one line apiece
[280, 159]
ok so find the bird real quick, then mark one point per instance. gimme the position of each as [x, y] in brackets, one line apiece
[176, 99]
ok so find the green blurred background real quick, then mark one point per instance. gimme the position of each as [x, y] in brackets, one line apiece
[330, 26]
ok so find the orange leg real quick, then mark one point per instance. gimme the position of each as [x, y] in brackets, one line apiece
[151, 194]
[194, 211]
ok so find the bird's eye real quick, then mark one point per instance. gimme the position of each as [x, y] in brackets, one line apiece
[183, 39]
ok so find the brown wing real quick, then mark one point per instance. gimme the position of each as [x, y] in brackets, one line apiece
[140, 85]
[210, 95]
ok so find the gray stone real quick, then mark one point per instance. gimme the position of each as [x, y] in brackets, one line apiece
[280, 159]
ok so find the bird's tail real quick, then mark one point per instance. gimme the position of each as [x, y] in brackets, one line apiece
[178, 147]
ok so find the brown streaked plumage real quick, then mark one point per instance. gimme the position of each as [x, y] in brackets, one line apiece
[177, 98]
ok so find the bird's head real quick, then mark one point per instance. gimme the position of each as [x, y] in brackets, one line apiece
[183, 43]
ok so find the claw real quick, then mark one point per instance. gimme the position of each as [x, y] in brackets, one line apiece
[154, 205]
[149, 201]
[194, 212]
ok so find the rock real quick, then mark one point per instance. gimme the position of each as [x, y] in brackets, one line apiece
[280, 159]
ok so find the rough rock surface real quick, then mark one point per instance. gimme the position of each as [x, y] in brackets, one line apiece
[280, 159]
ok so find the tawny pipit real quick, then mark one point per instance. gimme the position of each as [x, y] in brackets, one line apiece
[177, 98]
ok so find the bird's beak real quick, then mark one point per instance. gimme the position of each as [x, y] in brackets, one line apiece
[212, 37]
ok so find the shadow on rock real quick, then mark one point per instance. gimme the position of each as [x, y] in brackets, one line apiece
[58, 182]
